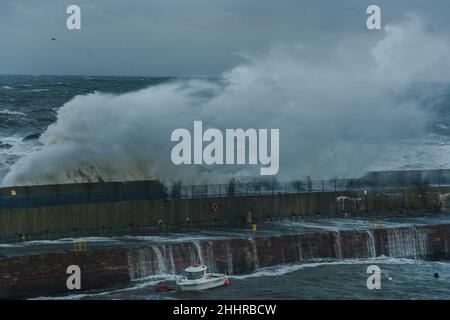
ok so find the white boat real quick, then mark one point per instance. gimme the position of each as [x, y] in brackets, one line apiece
[195, 278]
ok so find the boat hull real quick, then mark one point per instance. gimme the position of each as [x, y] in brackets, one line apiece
[203, 284]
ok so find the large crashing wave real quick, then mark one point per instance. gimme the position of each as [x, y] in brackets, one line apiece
[338, 109]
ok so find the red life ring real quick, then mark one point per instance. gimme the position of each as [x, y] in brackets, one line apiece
[214, 207]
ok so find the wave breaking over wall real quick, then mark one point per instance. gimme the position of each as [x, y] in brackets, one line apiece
[104, 266]
[329, 104]
[238, 256]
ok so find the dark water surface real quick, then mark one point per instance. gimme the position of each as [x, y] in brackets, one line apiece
[346, 279]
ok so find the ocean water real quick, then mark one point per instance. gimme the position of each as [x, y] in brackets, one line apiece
[344, 279]
[29, 104]
[101, 128]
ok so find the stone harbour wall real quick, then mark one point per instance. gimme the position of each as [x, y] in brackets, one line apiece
[44, 274]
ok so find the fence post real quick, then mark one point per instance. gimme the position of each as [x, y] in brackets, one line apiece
[206, 192]
[335, 185]
[192, 191]
[323, 185]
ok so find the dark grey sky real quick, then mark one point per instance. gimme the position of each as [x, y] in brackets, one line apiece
[180, 37]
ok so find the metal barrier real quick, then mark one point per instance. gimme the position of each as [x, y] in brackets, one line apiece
[17, 200]
[231, 189]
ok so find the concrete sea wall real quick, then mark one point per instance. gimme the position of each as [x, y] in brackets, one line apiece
[140, 216]
[43, 274]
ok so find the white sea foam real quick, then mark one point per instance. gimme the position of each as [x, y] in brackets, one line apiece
[350, 224]
[140, 284]
[17, 113]
[289, 268]
[16, 149]
[39, 90]
[55, 242]
[173, 238]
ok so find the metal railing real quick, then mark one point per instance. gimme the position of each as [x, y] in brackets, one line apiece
[231, 189]
[177, 191]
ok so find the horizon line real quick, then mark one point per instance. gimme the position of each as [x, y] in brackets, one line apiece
[110, 75]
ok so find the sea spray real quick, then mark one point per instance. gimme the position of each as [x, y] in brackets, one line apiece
[104, 137]
[300, 253]
[254, 253]
[408, 242]
[211, 258]
[370, 243]
[337, 244]
[160, 266]
[172, 261]
[229, 256]
[199, 255]
[139, 264]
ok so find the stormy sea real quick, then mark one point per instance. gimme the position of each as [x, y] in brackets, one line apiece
[63, 129]
[58, 129]
[324, 280]
[29, 104]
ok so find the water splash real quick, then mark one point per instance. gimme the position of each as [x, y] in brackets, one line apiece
[337, 244]
[160, 266]
[172, 262]
[408, 243]
[300, 253]
[139, 265]
[229, 258]
[255, 253]
[198, 249]
[211, 257]
[370, 243]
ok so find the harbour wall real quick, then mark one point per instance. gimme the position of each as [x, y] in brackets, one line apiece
[143, 216]
[44, 274]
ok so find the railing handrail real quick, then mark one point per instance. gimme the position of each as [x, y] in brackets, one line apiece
[233, 188]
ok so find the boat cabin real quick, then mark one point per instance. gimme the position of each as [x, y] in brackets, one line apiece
[195, 272]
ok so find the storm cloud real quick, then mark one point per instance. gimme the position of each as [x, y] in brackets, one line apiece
[177, 37]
